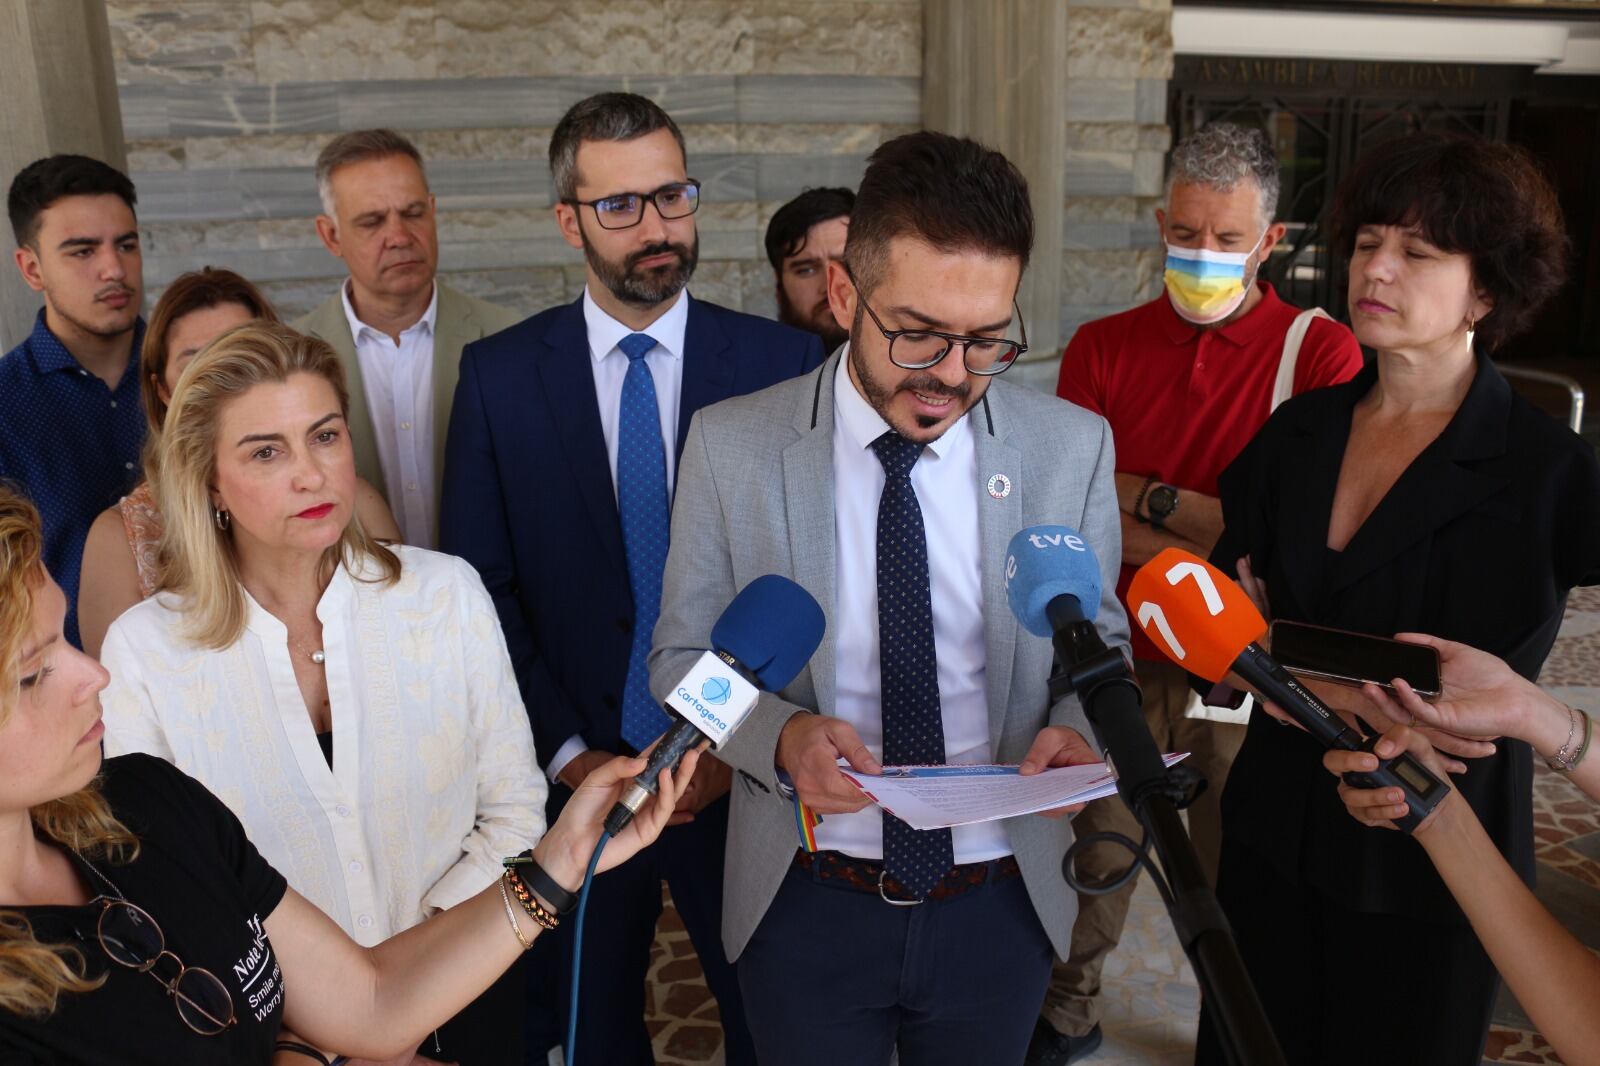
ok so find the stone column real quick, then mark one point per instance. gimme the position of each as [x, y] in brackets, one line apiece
[59, 94]
[1074, 92]
[996, 72]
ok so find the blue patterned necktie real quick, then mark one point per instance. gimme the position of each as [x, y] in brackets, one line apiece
[642, 503]
[913, 729]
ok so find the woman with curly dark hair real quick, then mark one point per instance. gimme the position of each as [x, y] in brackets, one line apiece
[1421, 496]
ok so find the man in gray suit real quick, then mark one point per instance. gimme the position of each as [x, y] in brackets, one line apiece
[397, 330]
[888, 484]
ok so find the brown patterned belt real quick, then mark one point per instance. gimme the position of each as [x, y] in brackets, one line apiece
[865, 875]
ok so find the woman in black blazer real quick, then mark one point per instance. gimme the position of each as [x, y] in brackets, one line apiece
[1423, 496]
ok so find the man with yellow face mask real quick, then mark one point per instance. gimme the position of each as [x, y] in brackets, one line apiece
[1185, 381]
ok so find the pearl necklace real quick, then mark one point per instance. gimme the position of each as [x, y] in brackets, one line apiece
[316, 655]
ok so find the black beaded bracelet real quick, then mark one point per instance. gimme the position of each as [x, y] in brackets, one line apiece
[1139, 500]
[528, 868]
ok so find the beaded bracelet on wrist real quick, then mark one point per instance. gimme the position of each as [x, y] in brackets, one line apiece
[530, 903]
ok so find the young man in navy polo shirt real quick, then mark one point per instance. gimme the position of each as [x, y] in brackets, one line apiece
[1185, 381]
[71, 424]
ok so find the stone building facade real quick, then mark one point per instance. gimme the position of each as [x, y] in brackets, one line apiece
[225, 104]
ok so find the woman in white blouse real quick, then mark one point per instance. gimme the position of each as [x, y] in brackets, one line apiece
[354, 704]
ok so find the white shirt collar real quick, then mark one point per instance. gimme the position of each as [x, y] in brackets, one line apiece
[862, 425]
[426, 322]
[605, 331]
[340, 589]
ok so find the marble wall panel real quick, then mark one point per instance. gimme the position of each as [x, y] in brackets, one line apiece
[1090, 173]
[477, 102]
[1084, 236]
[528, 290]
[204, 110]
[198, 41]
[144, 108]
[782, 177]
[1101, 100]
[829, 98]
[490, 38]
[1105, 42]
[1151, 100]
[817, 138]
[161, 153]
[443, 103]
[341, 40]
[709, 37]
[825, 37]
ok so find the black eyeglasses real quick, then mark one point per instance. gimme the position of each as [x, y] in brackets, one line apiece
[133, 939]
[919, 349]
[678, 199]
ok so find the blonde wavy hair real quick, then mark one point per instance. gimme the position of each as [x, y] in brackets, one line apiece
[33, 974]
[199, 562]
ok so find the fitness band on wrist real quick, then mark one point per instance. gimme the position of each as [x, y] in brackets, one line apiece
[528, 870]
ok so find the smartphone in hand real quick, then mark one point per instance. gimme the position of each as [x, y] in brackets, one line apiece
[1354, 659]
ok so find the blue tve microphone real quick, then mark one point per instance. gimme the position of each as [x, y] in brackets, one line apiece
[1053, 586]
[1052, 577]
[764, 637]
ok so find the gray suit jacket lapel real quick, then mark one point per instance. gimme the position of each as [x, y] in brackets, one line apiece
[998, 519]
[808, 499]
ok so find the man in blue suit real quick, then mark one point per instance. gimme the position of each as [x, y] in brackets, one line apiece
[559, 468]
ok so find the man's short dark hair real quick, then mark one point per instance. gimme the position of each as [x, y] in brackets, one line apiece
[603, 117]
[789, 226]
[44, 181]
[950, 192]
[1490, 201]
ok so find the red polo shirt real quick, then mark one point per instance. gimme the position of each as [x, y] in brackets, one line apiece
[1182, 401]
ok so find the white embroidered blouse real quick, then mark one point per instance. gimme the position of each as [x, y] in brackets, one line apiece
[433, 779]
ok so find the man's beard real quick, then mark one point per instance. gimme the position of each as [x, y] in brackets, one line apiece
[644, 288]
[821, 322]
[878, 395]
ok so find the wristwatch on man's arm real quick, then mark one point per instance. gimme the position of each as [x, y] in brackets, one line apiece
[1161, 503]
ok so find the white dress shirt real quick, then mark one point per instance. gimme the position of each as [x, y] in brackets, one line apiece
[398, 382]
[945, 480]
[433, 779]
[610, 365]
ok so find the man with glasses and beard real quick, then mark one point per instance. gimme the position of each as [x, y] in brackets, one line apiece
[563, 448]
[888, 483]
[804, 236]
[71, 424]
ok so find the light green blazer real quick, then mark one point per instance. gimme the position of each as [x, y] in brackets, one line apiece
[460, 320]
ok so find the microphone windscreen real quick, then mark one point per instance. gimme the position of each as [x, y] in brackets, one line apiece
[772, 628]
[1193, 612]
[1043, 562]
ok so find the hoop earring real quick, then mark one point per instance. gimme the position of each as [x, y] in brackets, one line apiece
[223, 519]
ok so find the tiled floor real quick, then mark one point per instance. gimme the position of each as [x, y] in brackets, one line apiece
[1152, 1002]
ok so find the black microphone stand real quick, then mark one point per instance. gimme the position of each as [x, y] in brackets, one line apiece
[1111, 700]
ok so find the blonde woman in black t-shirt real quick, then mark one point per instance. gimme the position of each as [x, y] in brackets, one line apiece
[139, 925]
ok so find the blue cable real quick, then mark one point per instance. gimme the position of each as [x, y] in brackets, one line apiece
[569, 1053]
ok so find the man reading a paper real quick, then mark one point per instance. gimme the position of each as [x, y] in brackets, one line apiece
[888, 484]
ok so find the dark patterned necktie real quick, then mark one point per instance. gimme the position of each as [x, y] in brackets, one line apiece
[913, 730]
[642, 505]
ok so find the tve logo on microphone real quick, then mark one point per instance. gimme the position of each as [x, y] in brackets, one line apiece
[1046, 539]
[713, 698]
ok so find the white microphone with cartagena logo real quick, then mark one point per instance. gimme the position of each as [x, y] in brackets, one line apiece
[765, 636]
